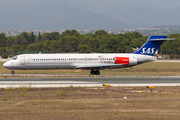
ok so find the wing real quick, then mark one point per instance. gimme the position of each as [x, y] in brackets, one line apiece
[98, 66]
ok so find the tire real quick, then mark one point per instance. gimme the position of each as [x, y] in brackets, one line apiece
[12, 72]
[97, 72]
[92, 72]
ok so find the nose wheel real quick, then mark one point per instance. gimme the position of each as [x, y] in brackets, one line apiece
[12, 71]
[97, 72]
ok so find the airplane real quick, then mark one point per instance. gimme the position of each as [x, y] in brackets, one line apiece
[92, 61]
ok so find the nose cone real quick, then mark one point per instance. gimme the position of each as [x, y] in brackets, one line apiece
[7, 64]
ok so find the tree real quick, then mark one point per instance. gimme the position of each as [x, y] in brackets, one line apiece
[54, 45]
[101, 33]
[39, 37]
[74, 32]
[22, 39]
[66, 33]
[23, 48]
[94, 43]
[38, 47]
[72, 41]
[16, 48]
[137, 35]
[50, 36]
[165, 49]
[10, 41]
[2, 50]
[32, 39]
[46, 46]
[84, 49]
[135, 43]
[25, 36]
[129, 50]
[31, 47]
[112, 45]
[4, 55]
[3, 40]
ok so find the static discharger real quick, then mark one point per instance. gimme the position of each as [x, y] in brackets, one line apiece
[150, 87]
[106, 85]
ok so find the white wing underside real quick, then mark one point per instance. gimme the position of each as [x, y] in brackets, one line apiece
[102, 66]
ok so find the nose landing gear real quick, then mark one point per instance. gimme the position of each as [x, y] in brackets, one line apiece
[12, 71]
[97, 72]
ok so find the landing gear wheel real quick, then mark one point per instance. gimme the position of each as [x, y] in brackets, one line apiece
[92, 72]
[12, 72]
[97, 72]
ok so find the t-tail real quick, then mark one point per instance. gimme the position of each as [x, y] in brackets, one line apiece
[152, 45]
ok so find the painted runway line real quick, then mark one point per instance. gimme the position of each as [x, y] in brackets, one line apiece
[87, 82]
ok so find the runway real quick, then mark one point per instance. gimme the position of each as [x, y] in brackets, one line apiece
[87, 82]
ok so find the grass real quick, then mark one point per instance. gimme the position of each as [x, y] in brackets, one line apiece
[91, 104]
[151, 68]
[39, 94]
[24, 89]
[4, 99]
[9, 90]
[58, 93]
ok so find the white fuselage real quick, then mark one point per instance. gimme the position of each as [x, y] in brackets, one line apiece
[74, 61]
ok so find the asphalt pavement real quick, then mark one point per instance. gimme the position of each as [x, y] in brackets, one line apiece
[87, 82]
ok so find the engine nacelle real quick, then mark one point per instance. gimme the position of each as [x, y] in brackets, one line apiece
[125, 61]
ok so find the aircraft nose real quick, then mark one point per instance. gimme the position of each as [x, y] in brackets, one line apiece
[7, 64]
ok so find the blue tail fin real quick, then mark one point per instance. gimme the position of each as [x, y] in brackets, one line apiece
[152, 45]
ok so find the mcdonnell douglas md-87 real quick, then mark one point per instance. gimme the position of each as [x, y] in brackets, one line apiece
[91, 61]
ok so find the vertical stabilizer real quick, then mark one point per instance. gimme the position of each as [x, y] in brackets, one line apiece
[152, 45]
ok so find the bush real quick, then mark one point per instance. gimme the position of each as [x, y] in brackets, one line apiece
[4, 99]
[177, 57]
[10, 56]
[171, 56]
[4, 55]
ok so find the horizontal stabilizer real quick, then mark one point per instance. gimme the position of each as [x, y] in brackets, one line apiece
[162, 39]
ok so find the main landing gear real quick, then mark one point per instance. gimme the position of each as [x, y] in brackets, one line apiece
[12, 71]
[97, 72]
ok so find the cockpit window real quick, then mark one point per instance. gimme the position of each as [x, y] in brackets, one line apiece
[15, 58]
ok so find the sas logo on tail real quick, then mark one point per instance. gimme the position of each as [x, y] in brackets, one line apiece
[148, 51]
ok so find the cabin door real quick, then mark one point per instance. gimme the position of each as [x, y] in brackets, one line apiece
[22, 60]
